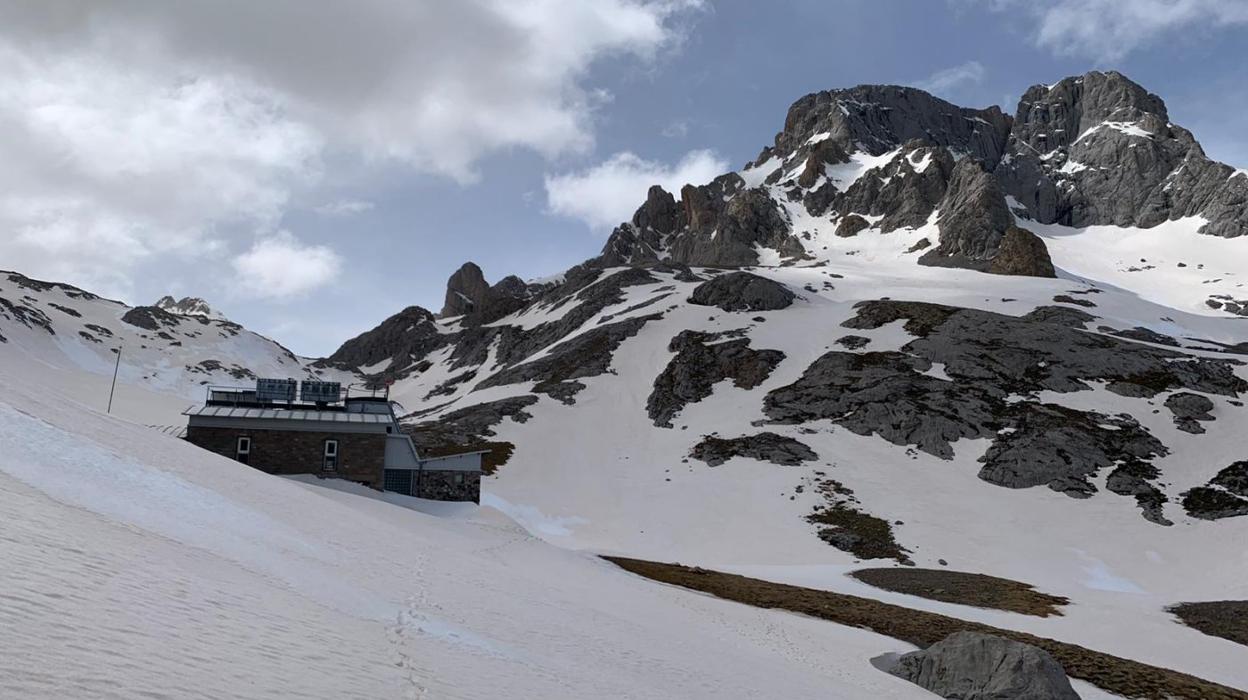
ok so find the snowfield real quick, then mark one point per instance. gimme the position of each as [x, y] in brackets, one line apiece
[139, 565]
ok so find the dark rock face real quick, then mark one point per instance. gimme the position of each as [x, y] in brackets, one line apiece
[851, 225]
[150, 318]
[466, 291]
[1100, 149]
[32, 317]
[586, 355]
[1022, 253]
[739, 218]
[410, 333]
[702, 361]
[905, 191]
[990, 358]
[765, 447]
[742, 291]
[660, 213]
[973, 220]
[1059, 447]
[977, 666]
[469, 295]
[1189, 410]
[853, 342]
[878, 118]
[749, 218]
[885, 394]
[1225, 496]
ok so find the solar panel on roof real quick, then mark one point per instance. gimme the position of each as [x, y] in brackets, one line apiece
[319, 392]
[275, 389]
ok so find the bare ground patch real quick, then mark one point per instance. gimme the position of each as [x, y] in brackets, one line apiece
[977, 590]
[1227, 619]
[1117, 675]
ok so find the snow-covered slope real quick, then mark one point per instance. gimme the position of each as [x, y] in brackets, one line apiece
[876, 343]
[138, 565]
[69, 338]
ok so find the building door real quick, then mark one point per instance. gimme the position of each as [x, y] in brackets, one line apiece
[242, 451]
[330, 462]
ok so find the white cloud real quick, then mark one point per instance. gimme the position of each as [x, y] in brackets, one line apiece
[950, 79]
[281, 267]
[1111, 29]
[137, 135]
[344, 207]
[608, 193]
[676, 129]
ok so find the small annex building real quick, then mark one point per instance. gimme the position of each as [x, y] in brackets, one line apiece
[281, 426]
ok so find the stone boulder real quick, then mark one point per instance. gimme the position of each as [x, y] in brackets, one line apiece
[1022, 253]
[742, 291]
[1189, 409]
[977, 666]
[851, 225]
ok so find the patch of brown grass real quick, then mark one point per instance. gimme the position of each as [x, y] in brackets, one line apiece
[1123, 677]
[1227, 619]
[977, 590]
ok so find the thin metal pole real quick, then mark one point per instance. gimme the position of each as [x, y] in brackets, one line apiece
[114, 387]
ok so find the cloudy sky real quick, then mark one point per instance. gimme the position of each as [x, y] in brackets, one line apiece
[311, 168]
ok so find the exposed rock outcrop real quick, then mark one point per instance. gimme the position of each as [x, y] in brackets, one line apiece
[703, 360]
[1225, 496]
[152, 318]
[989, 359]
[1100, 149]
[1022, 253]
[765, 447]
[469, 295]
[973, 219]
[742, 291]
[1189, 411]
[411, 333]
[978, 666]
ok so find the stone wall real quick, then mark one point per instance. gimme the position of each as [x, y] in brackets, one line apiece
[361, 456]
[447, 485]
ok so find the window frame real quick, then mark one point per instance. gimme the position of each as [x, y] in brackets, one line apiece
[242, 449]
[329, 457]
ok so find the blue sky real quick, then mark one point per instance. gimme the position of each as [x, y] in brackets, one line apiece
[312, 172]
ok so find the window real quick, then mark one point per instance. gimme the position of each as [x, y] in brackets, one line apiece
[242, 452]
[459, 478]
[331, 455]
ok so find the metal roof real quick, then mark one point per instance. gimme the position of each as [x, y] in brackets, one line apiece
[287, 414]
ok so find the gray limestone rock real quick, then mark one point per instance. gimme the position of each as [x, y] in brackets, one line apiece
[851, 225]
[765, 447]
[1100, 149]
[411, 333]
[703, 360]
[1189, 411]
[992, 366]
[977, 666]
[973, 220]
[742, 291]
[879, 118]
[1225, 496]
[1022, 253]
[903, 192]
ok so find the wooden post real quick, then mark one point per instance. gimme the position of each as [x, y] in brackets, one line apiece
[114, 387]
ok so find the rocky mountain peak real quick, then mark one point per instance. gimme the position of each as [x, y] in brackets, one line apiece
[469, 295]
[1059, 114]
[878, 118]
[188, 306]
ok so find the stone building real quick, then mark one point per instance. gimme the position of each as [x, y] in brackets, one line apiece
[329, 432]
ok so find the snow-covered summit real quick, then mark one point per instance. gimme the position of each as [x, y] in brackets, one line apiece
[189, 306]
